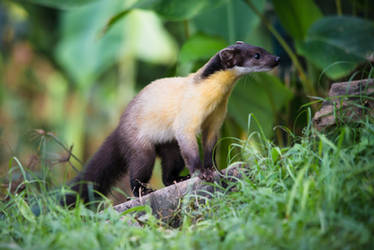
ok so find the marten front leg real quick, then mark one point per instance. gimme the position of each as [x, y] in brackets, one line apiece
[210, 132]
[171, 162]
[209, 140]
[190, 152]
[187, 128]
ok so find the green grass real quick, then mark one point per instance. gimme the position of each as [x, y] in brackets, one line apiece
[316, 194]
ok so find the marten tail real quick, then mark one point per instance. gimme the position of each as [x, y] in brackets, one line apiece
[100, 173]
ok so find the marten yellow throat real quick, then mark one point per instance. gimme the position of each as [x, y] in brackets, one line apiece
[165, 118]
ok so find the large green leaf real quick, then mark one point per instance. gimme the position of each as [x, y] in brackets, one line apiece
[62, 4]
[169, 10]
[233, 20]
[80, 51]
[85, 55]
[197, 48]
[177, 10]
[297, 16]
[200, 47]
[149, 39]
[261, 94]
[338, 44]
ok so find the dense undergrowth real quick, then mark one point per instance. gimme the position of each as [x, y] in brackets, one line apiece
[316, 194]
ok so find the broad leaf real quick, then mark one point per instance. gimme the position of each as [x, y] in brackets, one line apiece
[338, 44]
[150, 40]
[62, 4]
[261, 94]
[200, 47]
[85, 55]
[80, 51]
[297, 16]
[197, 48]
[177, 10]
[169, 10]
[233, 20]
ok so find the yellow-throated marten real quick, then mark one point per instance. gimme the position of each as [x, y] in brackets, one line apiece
[165, 118]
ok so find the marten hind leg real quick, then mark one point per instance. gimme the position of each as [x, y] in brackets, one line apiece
[172, 162]
[140, 169]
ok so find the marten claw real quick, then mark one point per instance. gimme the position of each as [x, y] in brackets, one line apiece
[182, 178]
[145, 191]
[207, 175]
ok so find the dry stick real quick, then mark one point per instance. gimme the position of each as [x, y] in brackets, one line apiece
[165, 201]
[64, 147]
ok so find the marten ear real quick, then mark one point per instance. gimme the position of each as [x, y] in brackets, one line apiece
[227, 57]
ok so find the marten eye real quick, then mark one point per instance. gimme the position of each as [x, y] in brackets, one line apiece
[257, 56]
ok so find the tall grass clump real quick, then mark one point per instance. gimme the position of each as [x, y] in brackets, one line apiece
[316, 193]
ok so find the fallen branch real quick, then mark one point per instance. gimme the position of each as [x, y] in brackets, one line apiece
[164, 202]
[348, 101]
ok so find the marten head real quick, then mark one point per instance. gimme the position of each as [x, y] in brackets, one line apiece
[243, 58]
[246, 58]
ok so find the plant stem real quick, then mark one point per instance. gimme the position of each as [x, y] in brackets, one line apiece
[338, 4]
[308, 86]
[186, 29]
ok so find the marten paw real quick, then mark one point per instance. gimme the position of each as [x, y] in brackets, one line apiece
[182, 178]
[207, 175]
[145, 191]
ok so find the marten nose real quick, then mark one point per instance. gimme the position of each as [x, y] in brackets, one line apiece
[277, 60]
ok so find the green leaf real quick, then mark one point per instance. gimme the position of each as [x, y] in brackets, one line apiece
[297, 16]
[85, 54]
[149, 39]
[338, 44]
[334, 61]
[80, 51]
[198, 47]
[25, 210]
[169, 10]
[62, 4]
[231, 20]
[261, 94]
[144, 208]
[275, 153]
[114, 19]
[177, 10]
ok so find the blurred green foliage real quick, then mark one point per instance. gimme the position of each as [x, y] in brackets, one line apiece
[70, 67]
[297, 16]
[329, 46]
